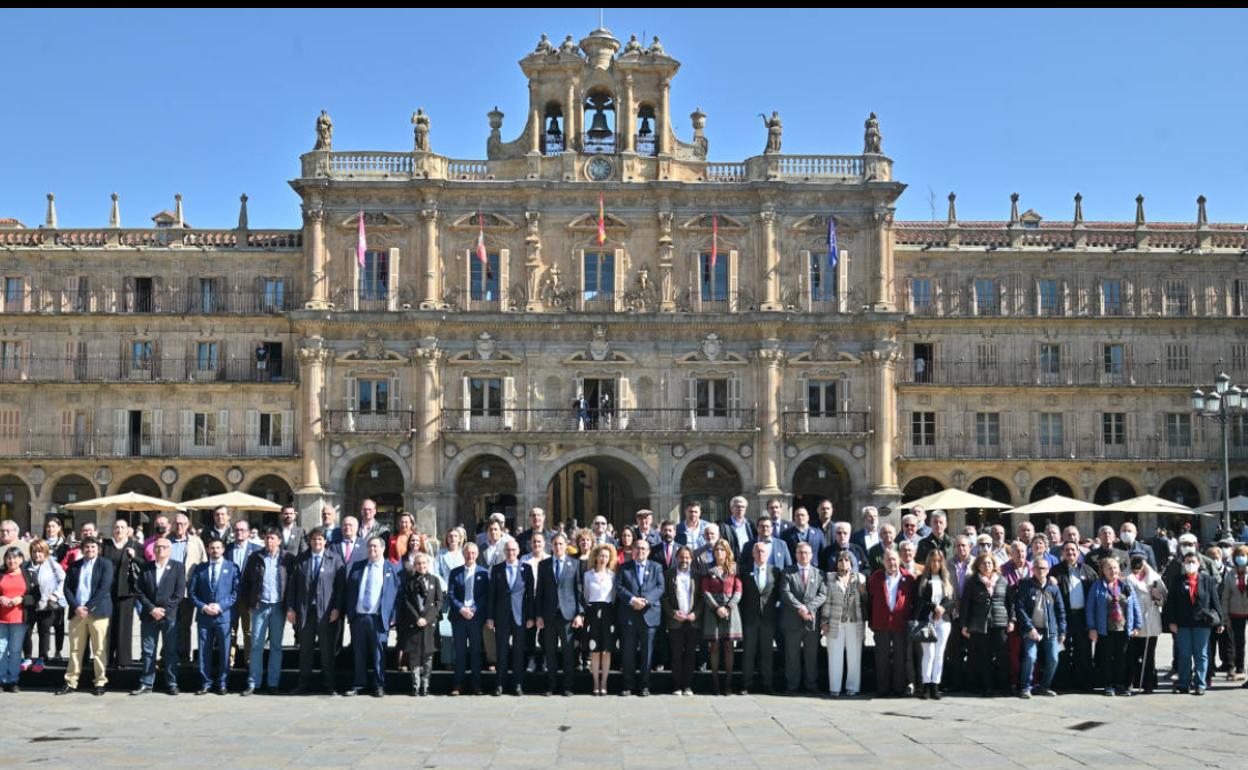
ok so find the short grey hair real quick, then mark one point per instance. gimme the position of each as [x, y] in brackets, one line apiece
[870, 509]
[841, 526]
[734, 500]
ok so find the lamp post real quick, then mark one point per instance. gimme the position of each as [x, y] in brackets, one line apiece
[1223, 403]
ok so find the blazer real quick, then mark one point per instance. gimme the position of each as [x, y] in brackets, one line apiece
[312, 597]
[924, 606]
[845, 604]
[726, 532]
[827, 557]
[510, 604]
[389, 590]
[779, 557]
[195, 553]
[122, 562]
[883, 619]
[693, 539]
[167, 595]
[659, 556]
[1097, 609]
[298, 542]
[415, 591]
[875, 557]
[813, 535]
[1061, 574]
[1025, 599]
[359, 549]
[199, 590]
[794, 596]
[760, 607]
[248, 548]
[628, 587]
[671, 602]
[100, 602]
[930, 543]
[1179, 608]
[253, 578]
[559, 600]
[457, 590]
[859, 538]
[525, 537]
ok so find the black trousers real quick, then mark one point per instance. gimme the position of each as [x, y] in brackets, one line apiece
[559, 645]
[757, 641]
[49, 623]
[509, 642]
[1075, 671]
[317, 637]
[1142, 652]
[990, 659]
[1237, 640]
[186, 612]
[893, 662]
[121, 633]
[955, 675]
[636, 637]
[1112, 659]
[683, 641]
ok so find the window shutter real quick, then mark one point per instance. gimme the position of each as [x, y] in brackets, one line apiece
[121, 430]
[353, 401]
[504, 279]
[804, 288]
[288, 432]
[691, 401]
[732, 281]
[156, 362]
[186, 435]
[626, 398]
[28, 291]
[253, 431]
[157, 427]
[695, 281]
[192, 295]
[396, 382]
[353, 259]
[578, 280]
[223, 431]
[469, 256]
[618, 272]
[466, 400]
[509, 402]
[256, 303]
[1038, 305]
[158, 292]
[734, 397]
[844, 386]
[70, 298]
[128, 294]
[842, 281]
[1128, 296]
[392, 281]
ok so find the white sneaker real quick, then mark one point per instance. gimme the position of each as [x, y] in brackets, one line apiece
[687, 693]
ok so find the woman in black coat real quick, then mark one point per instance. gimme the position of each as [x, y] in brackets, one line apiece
[1192, 612]
[986, 620]
[420, 605]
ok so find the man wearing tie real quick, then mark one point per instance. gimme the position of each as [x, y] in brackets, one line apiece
[779, 524]
[265, 577]
[803, 592]
[640, 596]
[329, 524]
[237, 553]
[349, 546]
[160, 587]
[760, 608]
[313, 608]
[372, 586]
[777, 550]
[213, 590]
[88, 592]
[560, 611]
[293, 541]
[468, 589]
[663, 553]
[510, 612]
[802, 532]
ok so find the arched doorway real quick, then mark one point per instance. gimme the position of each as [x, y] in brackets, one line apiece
[993, 489]
[70, 489]
[15, 501]
[920, 487]
[142, 485]
[1239, 486]
[712, 482]
[820, 478]
[485, 485]
[1113, 490]
[1183, 492]
[1044, 489]
[202, 486]
[374, 477]
[274, 489]
[606, 486]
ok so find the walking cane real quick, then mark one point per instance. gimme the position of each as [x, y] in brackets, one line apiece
[1144, 660]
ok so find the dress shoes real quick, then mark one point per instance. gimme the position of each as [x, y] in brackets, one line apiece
[141, 690]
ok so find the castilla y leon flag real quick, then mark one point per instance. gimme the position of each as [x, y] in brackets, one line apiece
[361, 244]
[714, 240]
[481, 239]
[602, 222]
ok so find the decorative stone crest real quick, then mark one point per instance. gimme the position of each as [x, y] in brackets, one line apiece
[825, 348]
[486, 346]
[712, 346]
[599, 345]
[373, 347]
[234, 475]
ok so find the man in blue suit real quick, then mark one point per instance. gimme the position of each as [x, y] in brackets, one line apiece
[640, 595]
[560, 611]
[509, 615]
[468, 590]
[777, 549]
[88, 592]
[372, 586]
[240, 626]
[214, 589]
[349, 546]
[801, 532]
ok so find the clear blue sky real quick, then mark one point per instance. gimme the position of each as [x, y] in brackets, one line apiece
[212, 104]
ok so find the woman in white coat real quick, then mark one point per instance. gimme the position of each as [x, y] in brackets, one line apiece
[1150, 592]
[843, 623]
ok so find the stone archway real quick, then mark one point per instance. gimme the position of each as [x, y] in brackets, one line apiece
[378, 478]
[823, 477]
[712, 480]
[921, 486]
[993, 489]
[486, 484]
[1113, 490]
[583, 487]
[203, 485]
[15, 500]
[1044, 489]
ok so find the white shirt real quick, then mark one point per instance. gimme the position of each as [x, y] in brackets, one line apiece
[891, 584]
[1076, 591]
[160, 572]
[938, 591]
[684, 591]
[871, 539]
[599, 589]
[743, 534]
[469, 584]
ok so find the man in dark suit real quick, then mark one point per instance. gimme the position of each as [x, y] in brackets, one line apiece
[1074, 582]
[537, 523]
[371, 588]
[265, 577]
[775, 512]
[160, 587]
[349, 546]
[639, 591]
[802, 593]
[737, 529]
[329, 524]
[664, 552]
[468, 594]
[682, 611]
[88, 592]
[800, 532]
[213, 590]
[938, 539]
[777, 550]
[237, 553]
[760, 609]
[293, 539]
[314, 607]
[560, 610]
[841, 541]
[220, 528]
[509, 613]
[869, 536]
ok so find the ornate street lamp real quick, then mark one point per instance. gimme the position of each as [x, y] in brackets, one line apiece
[1223, 403]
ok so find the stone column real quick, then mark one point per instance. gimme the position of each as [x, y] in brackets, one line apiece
[431, 294]
[770, 358]
[533, 262]
[572, 119]
[429, 418]
[535, 120]
[310, 495]
[314, 247]
[883, 471]
[771, 263]
[882, 283]
[665, 117]
[624, 117]
[667, 249]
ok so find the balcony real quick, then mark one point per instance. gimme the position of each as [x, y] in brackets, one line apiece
[1032, 373]
[1084, 448]
[162, 237]
[43, 300]
[828, 424]
[618, 421]
[350, 421]
[161, 370]
[167, 444]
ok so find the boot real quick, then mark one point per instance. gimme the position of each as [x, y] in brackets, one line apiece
[426, 673]
[923, 691]
[935, 691]
[415, 681]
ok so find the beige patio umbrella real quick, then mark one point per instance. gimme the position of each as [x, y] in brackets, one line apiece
[128, 501]
[1056, 504]
[235, 501]
[1239, 504]
[953, 500]
[1151, 504]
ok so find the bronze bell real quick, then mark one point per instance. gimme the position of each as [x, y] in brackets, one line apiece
[598, 128]
[553, 130]
[645, 127]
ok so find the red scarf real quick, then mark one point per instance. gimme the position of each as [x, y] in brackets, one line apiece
[1191, 585]
[1115, 609]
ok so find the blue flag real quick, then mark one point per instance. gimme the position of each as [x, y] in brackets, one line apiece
[832, 251]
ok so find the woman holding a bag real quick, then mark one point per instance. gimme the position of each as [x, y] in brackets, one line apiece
[935, 609]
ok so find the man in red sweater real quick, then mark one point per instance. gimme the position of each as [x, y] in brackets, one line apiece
[892, 598]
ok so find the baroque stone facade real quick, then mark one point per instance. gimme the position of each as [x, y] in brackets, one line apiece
[596, 319]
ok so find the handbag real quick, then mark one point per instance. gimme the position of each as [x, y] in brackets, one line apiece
[921, 632]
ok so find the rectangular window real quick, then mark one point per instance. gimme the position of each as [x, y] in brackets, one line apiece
[1050, 363]
[921, 296]
[10, 433]
[375, 276]
[821, 398]
[1177, 301]
[486, 397]
[986, 358]
[1179, 430]
[141, 354]
[1050, 433]
[987, 430]
[1239, 433]
[822, 278]
[712, 398]
[270, 429]
[1114, 429]
[1111, 297]
[374, 396]
[484, 278]
[714, 281]
[924, 360]
[987, 301]
[205, 429]
[1113, 362]
[274, 296]
[1178, 364]
[923, 429]
[14, 292]
[1239, 297]
[1239, 356]
[1050, 297]
[10, 355]
[208, 298]
[599, 276]
[206, 356]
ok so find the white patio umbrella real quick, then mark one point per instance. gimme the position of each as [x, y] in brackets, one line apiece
[1056, 504]
[128, 501]
[1239, 504]
[1151, 504]
[235, 501]
[953, 500]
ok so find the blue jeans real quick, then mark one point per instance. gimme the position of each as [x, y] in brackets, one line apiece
[270, 620]
[1192, 643]
[11, 637]
[165, 631]
[1047, 647]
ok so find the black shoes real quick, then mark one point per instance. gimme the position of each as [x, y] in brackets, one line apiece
[66, 690]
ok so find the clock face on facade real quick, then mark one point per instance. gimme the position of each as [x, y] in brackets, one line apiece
[599, 169]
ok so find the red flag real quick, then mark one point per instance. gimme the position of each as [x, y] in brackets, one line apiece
[481, 240]
[602, 222]
[361, 243]
[714, 241]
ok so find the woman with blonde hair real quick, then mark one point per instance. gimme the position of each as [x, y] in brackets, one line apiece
[599, 592]
[936, 602]
[721, 620]
[450, 556]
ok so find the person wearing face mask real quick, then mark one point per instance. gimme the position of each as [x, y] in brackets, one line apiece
[1113, 614]
[1150, 590]
[1187, 544]
[1235, 602]
[1193, 610]
[1128, 540]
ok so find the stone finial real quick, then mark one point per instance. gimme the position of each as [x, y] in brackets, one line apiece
[953, 209]
[242, 211]
[1139, 211]
[1078, 209]
[1202, 218]
[1013, 208]
[495, 116]
[179, 221]
[1204, 234]
[50, 219]
[114, 217]
[1141, 228]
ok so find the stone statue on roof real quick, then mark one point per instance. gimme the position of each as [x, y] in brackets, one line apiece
[324, 133]
[568, 46]
[632, 46]
[871, 139]
[774, 130]
[544, 45]
[420, 121]
[656, 48]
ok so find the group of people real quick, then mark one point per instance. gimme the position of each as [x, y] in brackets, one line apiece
[972, 612]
